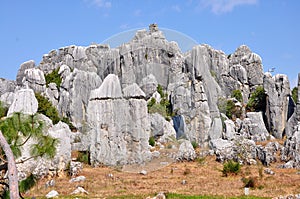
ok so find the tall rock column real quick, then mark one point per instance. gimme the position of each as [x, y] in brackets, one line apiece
[291, 150]
[120, 125]
[278, 90]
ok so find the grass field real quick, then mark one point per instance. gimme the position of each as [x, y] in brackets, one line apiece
[203, 179]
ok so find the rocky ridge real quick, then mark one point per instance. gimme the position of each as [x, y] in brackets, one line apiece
[105, 92]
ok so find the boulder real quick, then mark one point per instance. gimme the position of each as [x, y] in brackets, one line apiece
[24, 102]
[186, 151]
[223, 149]
[161, 129]
[253, 127]
[34, 79]
[21, 72]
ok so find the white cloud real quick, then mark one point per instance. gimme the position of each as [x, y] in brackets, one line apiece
[176, 8]
[100, 3]
[225, 6]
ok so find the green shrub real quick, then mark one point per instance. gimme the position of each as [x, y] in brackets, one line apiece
[45, 107]
[3, 110]
[295, 94]
[151, 103]
[231, 167]
[250, 182]
[257, 100]
[68, 122]
[84, 157]
[151, 141]
[160, 91]
[53, 77]
[237, 94]
[27, 183]
[194, 144]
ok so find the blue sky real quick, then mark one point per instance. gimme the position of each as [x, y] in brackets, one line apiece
[32, 28]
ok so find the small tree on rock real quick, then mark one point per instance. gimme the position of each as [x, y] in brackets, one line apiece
[16, 130]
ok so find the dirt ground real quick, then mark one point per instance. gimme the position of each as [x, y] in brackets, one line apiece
[201, 177]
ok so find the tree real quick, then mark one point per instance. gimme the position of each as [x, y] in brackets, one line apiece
[257, 101]
[16, 130]
[295, 94]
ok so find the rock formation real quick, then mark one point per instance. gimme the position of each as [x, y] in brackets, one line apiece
[104, 93]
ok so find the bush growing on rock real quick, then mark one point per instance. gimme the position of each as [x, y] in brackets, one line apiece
[237, 94]
[257, 100]
[53, 77]
[45, 107]
[295, 94]
[3, 110]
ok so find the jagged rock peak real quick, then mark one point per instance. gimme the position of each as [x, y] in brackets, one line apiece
[133, 91]
[153, 32]
[109, 89]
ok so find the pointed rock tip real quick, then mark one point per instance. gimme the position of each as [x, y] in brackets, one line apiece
[109, 89]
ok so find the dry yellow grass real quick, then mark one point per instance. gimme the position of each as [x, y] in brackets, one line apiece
[203, 178]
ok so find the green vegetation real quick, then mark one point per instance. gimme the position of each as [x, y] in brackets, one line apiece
[164, 108]
[231, 168]
[151, 141]
[237, 94]
[194, 144]
[53, 77]
[229, 108]
[295, 94]
[84, 157]
[257, 100]
[27, 183]
[3, 110]
[45, 107]
[17, 130]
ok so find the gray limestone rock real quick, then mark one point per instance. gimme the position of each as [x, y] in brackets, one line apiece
[251, 62]
[21, 72]
[43, 166]
[133, 91]
[223, 149]
[75, 93]
[52, 93]
[120, 128]
[253, 127]
[161, 129]
[24, 102]
[34, 79]
[7, 86]
[109, 89]
[291, 150]
[7, 98]
[186, 151]
[278, 91]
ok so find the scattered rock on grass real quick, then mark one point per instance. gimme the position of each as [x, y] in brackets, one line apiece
[52, 194]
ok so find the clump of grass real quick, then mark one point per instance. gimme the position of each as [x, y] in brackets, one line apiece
[250, 182]
[151, 141]
[200, 160]
[194, 144]
[186, 171]
[84, 157]
[231, 168]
